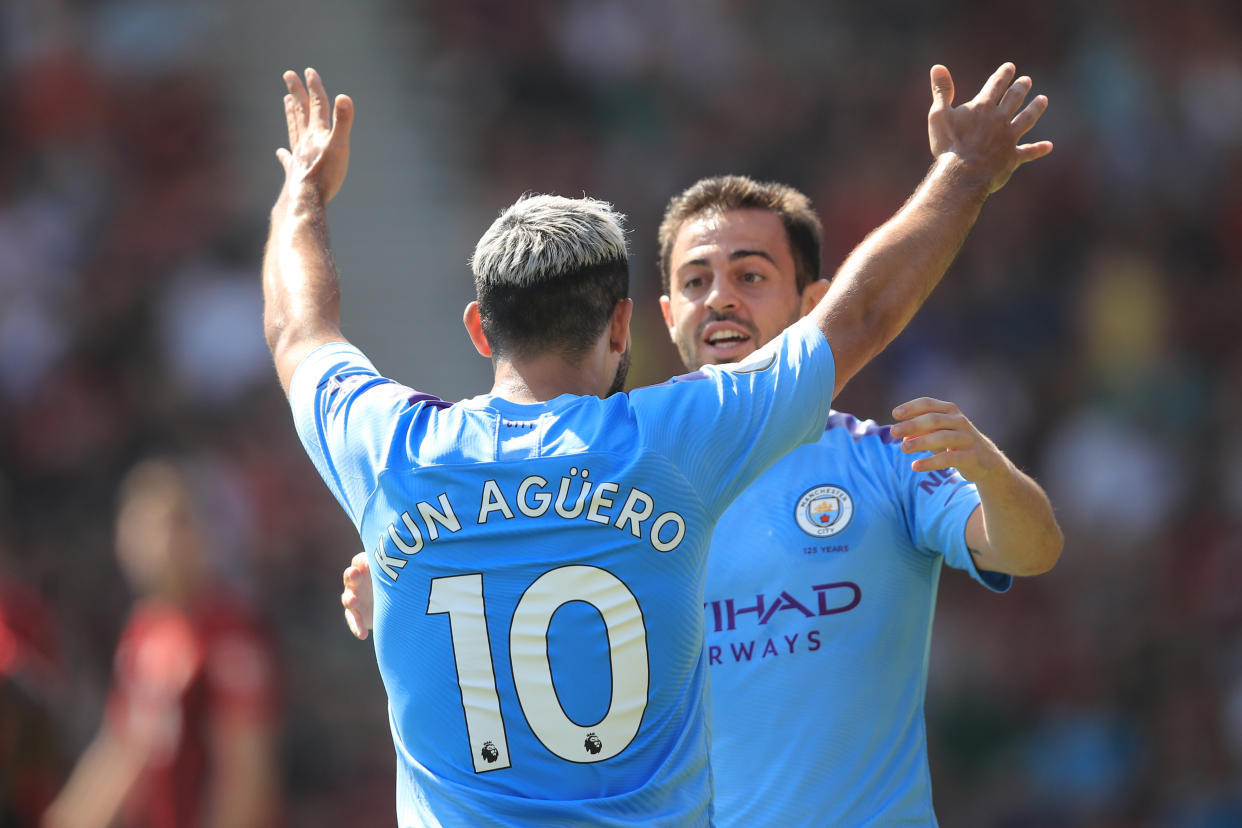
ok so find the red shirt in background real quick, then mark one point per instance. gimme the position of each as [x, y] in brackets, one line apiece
[176, 672]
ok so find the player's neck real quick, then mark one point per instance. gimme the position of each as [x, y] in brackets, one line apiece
[545, 377]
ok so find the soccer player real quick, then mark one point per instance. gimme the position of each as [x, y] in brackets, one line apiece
[537, 553]
[822, 578]
[189, 738]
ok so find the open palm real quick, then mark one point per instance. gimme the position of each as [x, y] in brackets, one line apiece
[985, 130]
[318, 151]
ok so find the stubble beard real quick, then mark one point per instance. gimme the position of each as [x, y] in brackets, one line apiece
[623, 370]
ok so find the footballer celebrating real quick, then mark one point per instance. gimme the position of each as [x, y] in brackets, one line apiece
[538, 552]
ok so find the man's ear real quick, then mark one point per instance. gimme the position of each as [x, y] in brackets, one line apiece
[811, 295]
[474, 327]
[666, 308]
[619, 325]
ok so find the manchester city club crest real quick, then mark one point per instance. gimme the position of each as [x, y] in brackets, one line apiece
[824, 511]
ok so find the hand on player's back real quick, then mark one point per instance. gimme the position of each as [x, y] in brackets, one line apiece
[318, 152]
[357, 597]
[984, 132]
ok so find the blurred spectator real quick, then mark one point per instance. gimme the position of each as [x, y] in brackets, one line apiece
[190, 734]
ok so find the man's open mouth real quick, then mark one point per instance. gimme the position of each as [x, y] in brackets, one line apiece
[725, 335]
[727, 338]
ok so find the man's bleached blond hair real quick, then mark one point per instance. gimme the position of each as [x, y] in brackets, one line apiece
[549, 273]
[543, 236]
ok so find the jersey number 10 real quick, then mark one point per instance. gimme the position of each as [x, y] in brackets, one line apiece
[461, 598]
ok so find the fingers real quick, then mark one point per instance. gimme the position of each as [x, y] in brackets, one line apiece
[293, 119]
[342, 120]
[1028, 117]
[353, 615]
[1029, 152]
[923, 405]
[943, 460]
[307, 105]
[997, 84]
[937, 441]
[294, 84]
[361, 563]
[319, 114]
[283, 156]
[354, 622]
[926, 424]
[1011, 101]
[942, 87]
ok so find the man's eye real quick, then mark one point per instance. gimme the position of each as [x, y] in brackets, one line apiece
[693, 283]
[752, 277]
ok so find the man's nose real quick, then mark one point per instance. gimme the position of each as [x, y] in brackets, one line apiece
[721, 296]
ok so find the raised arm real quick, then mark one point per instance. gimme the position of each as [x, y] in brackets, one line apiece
[301, 299]
[885, 279]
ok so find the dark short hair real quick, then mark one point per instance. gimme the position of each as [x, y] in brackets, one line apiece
[725, 193]
[548, 274]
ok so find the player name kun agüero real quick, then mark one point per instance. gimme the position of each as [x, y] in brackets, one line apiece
[573, 497]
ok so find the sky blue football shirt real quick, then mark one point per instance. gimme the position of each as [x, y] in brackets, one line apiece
[820, 593]
[538, 574]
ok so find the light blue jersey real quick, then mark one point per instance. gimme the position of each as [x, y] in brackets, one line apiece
[538, 574]
[820, 594]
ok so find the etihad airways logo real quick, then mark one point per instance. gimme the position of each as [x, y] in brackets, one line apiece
[824, 599]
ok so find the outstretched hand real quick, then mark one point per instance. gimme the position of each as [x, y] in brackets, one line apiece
[318, 152]
[928, 424]
[357, 597]
[984, 132]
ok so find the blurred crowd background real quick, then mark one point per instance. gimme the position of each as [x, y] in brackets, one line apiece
[1090, 326]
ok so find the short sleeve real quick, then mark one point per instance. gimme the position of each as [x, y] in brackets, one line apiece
[939, 503]
[724, 425]
[346, 415]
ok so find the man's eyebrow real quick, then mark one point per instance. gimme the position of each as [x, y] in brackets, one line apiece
[742, 254]
[733, 257]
